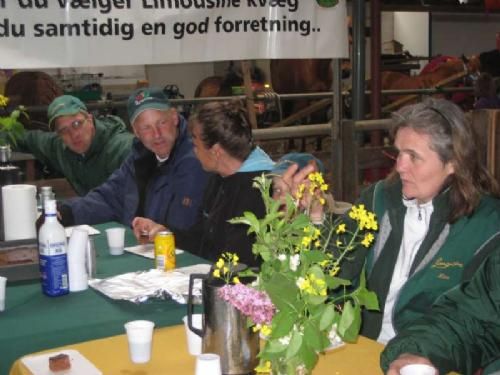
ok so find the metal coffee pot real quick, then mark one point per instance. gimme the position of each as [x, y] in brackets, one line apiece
[224, 329]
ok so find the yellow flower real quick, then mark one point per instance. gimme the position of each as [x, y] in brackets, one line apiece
[216, 273]
[367, 240]
[322, 201]
[236, 259]
[317, 243]
[334, 271]
[263, 368]
[225, 270]
[236, 280]
[306, 241]
[340, 228]
[220, 263]
[266, 330]
[3, 101]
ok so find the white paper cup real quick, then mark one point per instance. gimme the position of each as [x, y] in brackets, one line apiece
[193, 340]
[418, 369]
[140, 338]
[208, 364]
[3, 282]
[116, 240]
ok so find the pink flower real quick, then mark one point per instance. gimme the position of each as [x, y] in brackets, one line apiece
[252, 303]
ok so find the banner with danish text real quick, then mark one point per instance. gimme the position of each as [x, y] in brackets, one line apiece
[75, 33]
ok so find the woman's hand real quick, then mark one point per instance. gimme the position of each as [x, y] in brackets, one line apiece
[293, 178]
[144, 227]
[407, 359]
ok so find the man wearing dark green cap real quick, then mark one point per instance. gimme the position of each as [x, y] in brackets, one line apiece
[83, 148]
[161, 179]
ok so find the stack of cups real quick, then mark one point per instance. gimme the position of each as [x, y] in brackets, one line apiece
[77, 267]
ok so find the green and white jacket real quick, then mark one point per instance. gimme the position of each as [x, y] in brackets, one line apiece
[449, 253]
[463, 331]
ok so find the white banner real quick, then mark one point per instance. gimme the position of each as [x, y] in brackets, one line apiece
[72, 33]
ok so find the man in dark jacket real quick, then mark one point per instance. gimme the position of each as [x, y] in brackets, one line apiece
[161, 179]
[461, 333]
[83, 148]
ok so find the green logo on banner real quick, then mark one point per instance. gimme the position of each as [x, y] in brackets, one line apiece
[327, 3]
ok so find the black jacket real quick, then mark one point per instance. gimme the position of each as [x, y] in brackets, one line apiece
[224, 199]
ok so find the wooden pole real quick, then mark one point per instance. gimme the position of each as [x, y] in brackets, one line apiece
[247, 81]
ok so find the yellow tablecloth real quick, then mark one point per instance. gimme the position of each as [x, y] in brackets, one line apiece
[170, 356]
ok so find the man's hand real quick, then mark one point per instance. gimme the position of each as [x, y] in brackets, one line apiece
[407, 359]
[146, 227]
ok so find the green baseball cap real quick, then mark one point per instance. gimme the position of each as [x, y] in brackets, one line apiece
[65, 105]
[146, 98]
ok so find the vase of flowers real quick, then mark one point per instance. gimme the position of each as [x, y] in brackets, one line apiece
[224, 330]
[298, 303]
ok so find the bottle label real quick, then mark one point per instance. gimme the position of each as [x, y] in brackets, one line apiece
[54, 248]
[54, 269]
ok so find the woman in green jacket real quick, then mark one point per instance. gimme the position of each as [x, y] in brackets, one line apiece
[438, 214]
[462, 332]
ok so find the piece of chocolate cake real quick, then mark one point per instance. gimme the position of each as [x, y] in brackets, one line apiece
[59, 362]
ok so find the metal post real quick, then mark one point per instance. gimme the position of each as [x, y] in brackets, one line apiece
[358, 66]
[336, 158]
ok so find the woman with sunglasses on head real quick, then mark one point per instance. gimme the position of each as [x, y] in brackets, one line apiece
[438, 215]
[223, 143]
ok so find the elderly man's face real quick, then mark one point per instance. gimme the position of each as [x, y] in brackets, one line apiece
[157, 130]
[76, 131]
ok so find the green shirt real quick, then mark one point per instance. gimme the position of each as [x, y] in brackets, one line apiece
[110, 146]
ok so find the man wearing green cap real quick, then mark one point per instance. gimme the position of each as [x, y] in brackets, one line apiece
[83, 148]
[161, 179]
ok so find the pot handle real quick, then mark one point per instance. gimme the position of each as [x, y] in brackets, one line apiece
[190, 303]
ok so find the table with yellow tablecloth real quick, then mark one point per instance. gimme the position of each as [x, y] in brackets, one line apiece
[170, 356]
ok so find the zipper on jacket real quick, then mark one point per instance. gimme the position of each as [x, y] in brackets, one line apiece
[419, 212]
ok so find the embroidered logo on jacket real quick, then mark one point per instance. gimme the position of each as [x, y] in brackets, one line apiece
[441, 264]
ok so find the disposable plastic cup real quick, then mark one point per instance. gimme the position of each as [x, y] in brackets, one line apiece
[140, 339]
[116, 240]
[208, 364]
[418, 369]
[193, 340]
[3, 282]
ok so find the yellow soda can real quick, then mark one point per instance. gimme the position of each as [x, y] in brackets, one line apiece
[165, 250]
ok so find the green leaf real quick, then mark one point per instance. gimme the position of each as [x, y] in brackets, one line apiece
[283, 292]
[366, 298]
[314, 256]
[335, 282]
[350, 322]
[283, 323]
[308, 356]
[327, 317]
[294, 345]
[312, 336]
[315, 300]
[275, 346]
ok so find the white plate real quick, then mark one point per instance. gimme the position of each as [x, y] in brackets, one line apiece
[39, 364]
